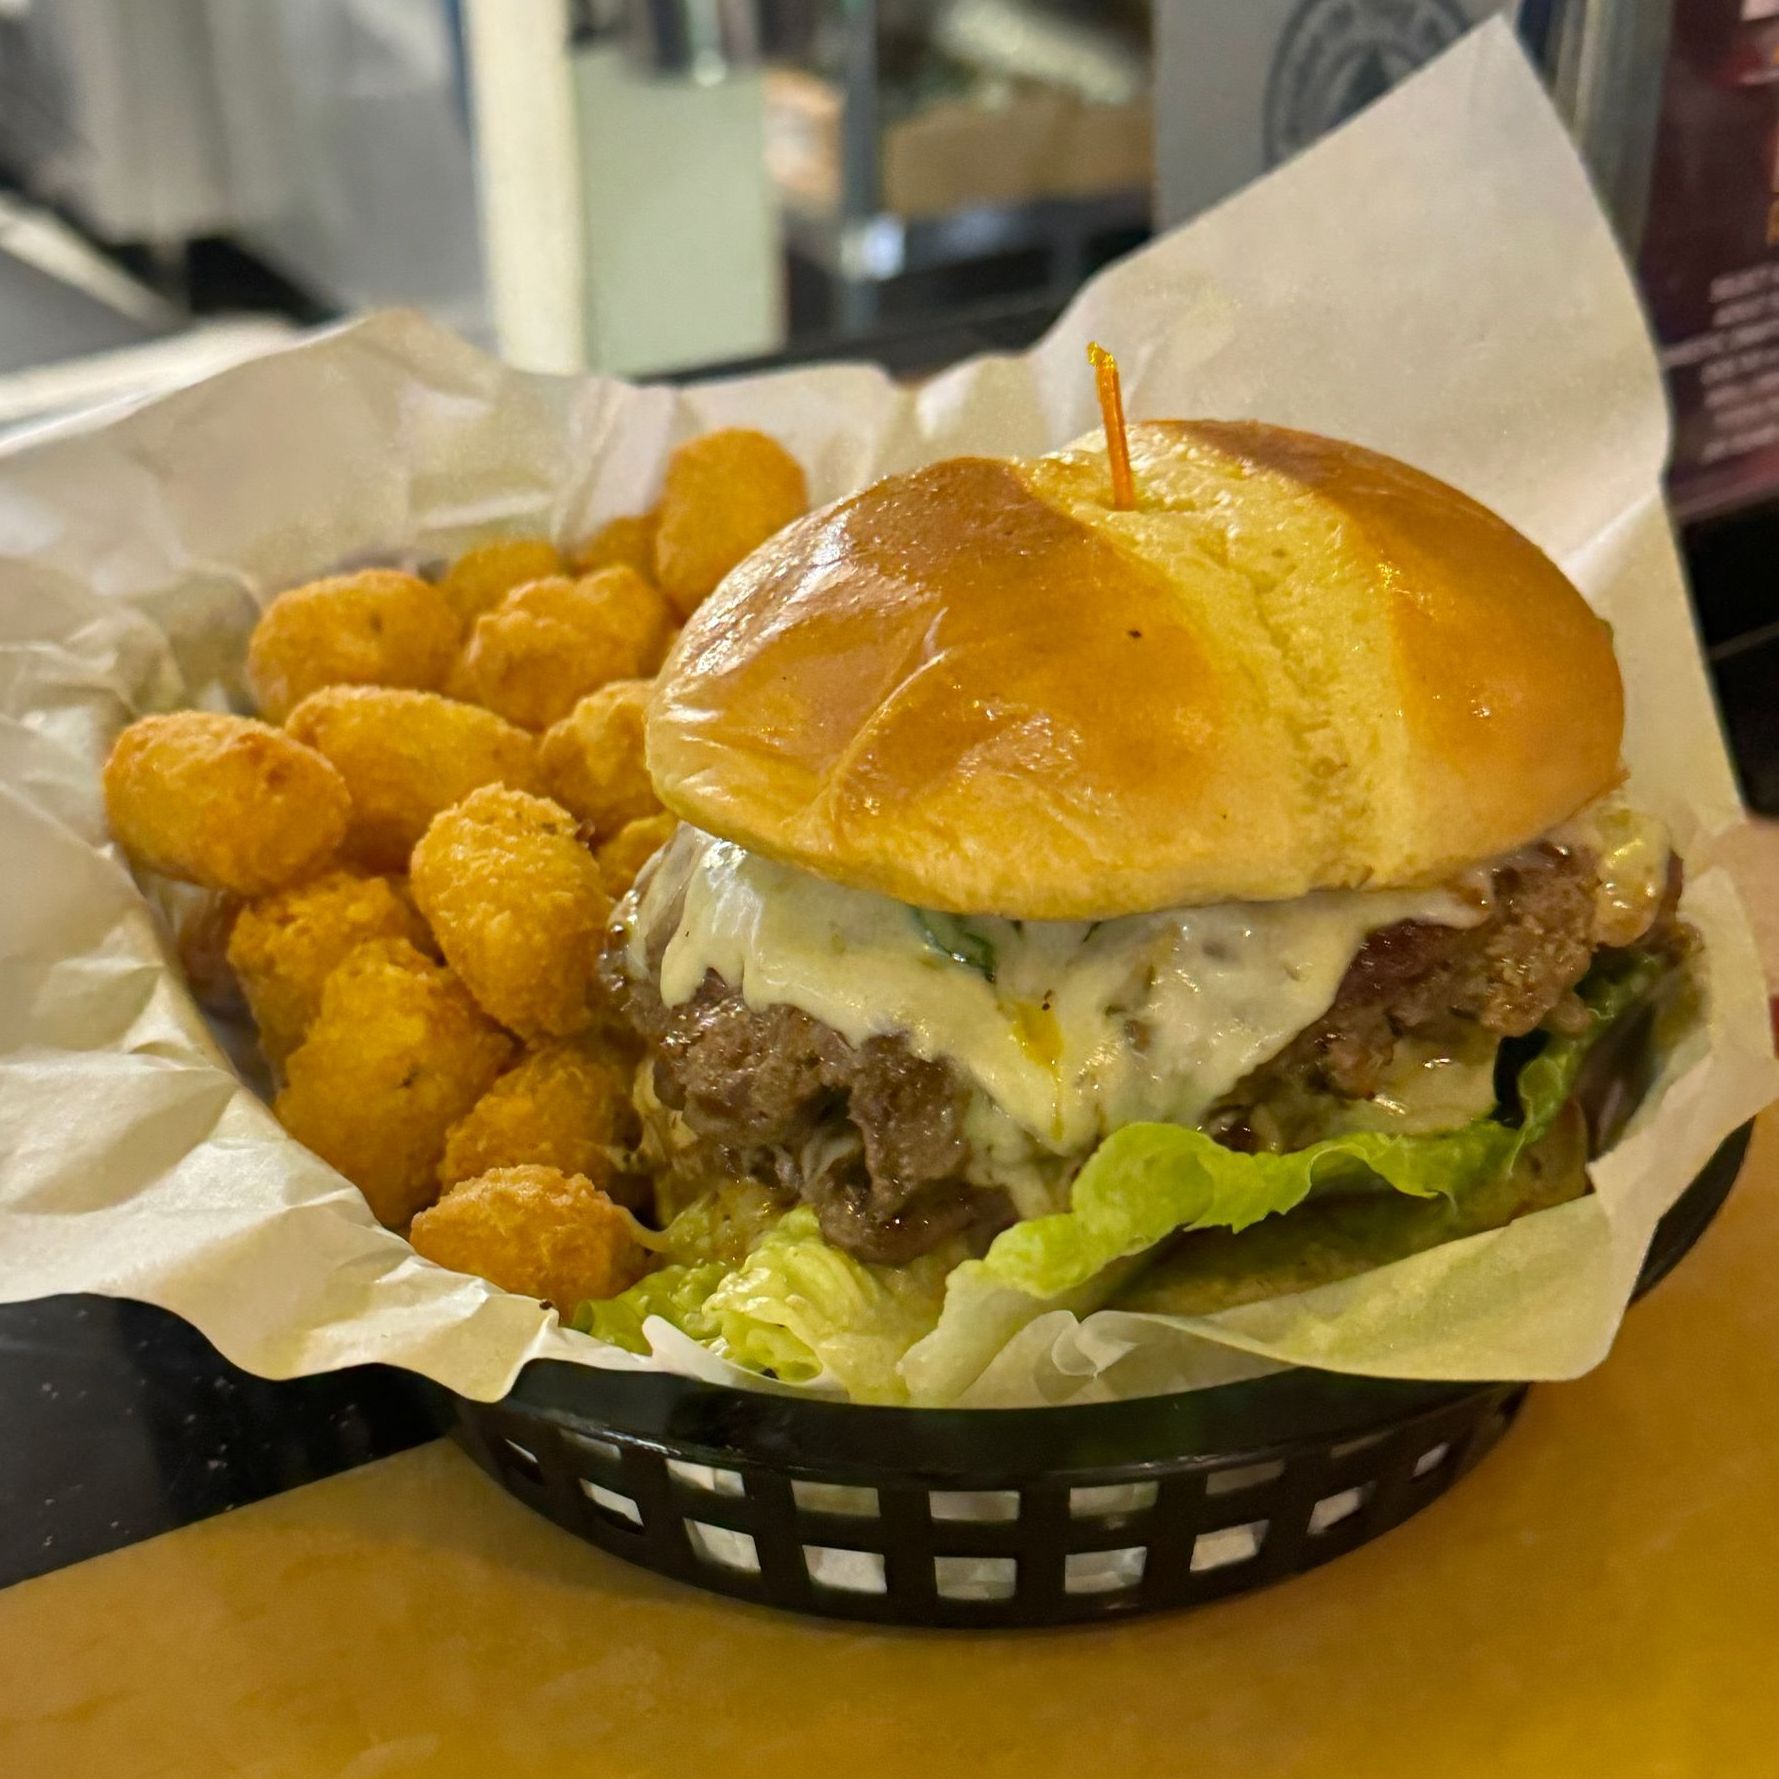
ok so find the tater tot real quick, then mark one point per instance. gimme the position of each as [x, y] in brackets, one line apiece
[619, 543]
[634, 608]
[404, 757]
[460, 684]
[481, 578]
[724, 495]
[375, 628]
[628, 850]
[593, 759]
[536, 1231]
[560, 1106]
[284, 947]
[553, 641]
[223, 801]
[397, 1053]
[518, 907]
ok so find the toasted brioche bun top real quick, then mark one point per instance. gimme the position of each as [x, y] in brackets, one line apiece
[1297, 665]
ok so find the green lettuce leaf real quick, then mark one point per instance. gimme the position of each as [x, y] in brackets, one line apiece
[795, 1309]
[1146, 1181]
[1150, 1181]
[675, 1293]
[1617, 985]
[800, 1310]
[1337, 1237]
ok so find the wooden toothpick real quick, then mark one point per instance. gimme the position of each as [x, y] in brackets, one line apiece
[1111, 394]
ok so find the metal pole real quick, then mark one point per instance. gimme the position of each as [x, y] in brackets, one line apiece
[860, 190]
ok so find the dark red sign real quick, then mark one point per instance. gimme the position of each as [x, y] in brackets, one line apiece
[1710, 258]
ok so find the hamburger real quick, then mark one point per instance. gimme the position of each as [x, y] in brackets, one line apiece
[1158, 905]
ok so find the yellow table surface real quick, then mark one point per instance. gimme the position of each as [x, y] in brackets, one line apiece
[1600, 1598]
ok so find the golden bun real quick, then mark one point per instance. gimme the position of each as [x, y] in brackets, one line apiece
[1298, 664]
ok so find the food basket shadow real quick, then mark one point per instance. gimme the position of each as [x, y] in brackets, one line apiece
[1000, 1517]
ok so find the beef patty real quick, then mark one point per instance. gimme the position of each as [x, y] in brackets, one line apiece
[872, 1135]
[1509, 974]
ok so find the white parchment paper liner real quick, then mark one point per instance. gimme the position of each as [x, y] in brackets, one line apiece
[1436, 281]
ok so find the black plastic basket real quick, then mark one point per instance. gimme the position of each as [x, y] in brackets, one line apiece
[1000, 1517]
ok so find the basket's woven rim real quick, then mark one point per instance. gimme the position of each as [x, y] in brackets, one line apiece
[1287, 1408]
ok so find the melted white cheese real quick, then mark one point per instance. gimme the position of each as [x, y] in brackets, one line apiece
[1424, 1088]
[1084, 1027]
[1631, 851]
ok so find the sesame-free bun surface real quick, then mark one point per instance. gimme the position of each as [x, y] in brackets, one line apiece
[1297, 665]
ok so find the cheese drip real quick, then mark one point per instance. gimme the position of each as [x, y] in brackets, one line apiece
[1631, 854]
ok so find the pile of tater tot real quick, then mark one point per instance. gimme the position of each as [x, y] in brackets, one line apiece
[411, 858]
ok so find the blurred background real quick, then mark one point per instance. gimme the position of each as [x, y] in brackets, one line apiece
[676, 187]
